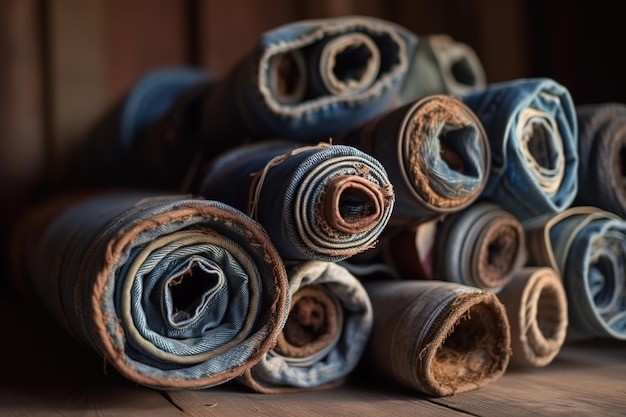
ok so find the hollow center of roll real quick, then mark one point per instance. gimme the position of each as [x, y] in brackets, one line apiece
[497, 259]
[353, 204]
[312, 324]
[306, 322]
[550, 315]
[188, 290]
[287, 77]
[451, 151]
[462, 72]
[604, 282]
[351, 63]
[471, 352]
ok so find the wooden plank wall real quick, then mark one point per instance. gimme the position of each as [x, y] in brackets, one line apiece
[64, 62]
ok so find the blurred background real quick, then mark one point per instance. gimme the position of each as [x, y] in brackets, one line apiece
[63, 63]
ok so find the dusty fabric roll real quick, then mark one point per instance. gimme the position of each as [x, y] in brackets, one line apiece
[174, 293]
[325, 202]
[587, 246]
[601, 148]
[536, 307]
[435, 152]
[328, 327]
[532, 130]
[438, 338]
[481, 246]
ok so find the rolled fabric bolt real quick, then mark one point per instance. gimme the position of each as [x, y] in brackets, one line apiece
[435, 152]
[173, 292]
[587, 247]
[536, 307]
[328, 327]
[481, 246]
[533, 136]
[307, 80]
[439, 65]
[325, 202]
[438, 338]
[602, 150]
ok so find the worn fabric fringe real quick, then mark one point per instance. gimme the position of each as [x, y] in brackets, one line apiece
[437, 338]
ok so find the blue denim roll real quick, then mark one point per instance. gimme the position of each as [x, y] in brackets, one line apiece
[435, 151]
[173, 292]
[329, 324]
[533, 135]
[602, 141]
[325, 202]
[310, 79]
[587, 246]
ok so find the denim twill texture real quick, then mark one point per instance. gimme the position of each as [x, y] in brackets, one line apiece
[319, 346]
[532, 130]
[325, 202]
[587, 246]
[173, 292]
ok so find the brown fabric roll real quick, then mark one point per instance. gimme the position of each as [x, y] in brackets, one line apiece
[438, 338]
[536, 307]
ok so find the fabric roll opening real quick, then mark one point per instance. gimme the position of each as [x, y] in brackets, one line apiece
[288, 76]
[466, 345]
[483, 246]
[459, 64]
[542, 147]
[352, 204]
[349, 64]
[444, 153]
[498, 255]
[439, 338]
[314, 323]
[536, 306]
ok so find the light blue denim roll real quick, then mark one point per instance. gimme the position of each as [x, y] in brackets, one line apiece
[309, 79]
[173, 292]
[533, 135]
[325, 202]
[337, 336]
[587, 246]
[435, 151]
[601, 147]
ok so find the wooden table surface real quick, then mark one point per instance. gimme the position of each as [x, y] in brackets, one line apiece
[46, 373]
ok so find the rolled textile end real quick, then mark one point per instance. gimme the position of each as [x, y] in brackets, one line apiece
[482, 246]
[173, 292]
[325, 202]
[438, 338]
[536, 307]
[329, 324]
[602, 148]
[441, 65]
[434, 150]
[533, 133]
[587, 246]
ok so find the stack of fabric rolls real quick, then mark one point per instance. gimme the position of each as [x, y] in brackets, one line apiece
[350, 197]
